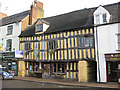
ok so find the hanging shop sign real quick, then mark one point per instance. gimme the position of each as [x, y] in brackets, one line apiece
[112, 57]
[18, 54]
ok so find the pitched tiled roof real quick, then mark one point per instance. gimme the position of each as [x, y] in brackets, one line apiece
[77, 19]
[14, 18]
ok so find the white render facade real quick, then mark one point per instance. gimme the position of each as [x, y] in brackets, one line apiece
[14, 36]
[106, 41]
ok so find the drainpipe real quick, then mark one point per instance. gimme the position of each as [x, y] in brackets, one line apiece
[98, 53]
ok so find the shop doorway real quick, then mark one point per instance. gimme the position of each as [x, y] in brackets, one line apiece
[112, 71]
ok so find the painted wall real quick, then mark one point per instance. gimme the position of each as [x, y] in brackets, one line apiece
[15, 33]
[106, 42]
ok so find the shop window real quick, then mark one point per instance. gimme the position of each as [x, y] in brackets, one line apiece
[9, 30]
[9, 45]
[27, 46]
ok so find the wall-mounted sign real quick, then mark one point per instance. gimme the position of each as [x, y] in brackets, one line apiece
[18, 54]
[8, 55]
[112, 57]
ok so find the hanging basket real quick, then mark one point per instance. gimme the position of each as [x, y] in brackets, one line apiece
[51, 51]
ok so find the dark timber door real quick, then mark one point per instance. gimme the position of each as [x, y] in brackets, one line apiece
[112, 69]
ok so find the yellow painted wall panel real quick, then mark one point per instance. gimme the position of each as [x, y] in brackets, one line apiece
[84, 53]
[61, 44]
[91, 30]
[80, 52]
[58, 54]
[88, 53]
[87, 31]
[65, 52]
[93, 53]
[69, 54]
[71, 33]
[71, 69]
[73, 54]
[74, 69]
[65, 43]
[61, 54]
[83, 31]
[76, 54]
[72, 42]
[68, 42]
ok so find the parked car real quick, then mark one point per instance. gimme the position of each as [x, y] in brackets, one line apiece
[6, 74]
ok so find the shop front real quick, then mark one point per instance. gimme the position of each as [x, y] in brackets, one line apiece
[113, 67]
[10, 62]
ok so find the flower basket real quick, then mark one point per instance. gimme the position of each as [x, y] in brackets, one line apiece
[51, 51]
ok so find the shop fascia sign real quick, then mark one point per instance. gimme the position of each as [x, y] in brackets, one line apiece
[112, 57]
[8, 55]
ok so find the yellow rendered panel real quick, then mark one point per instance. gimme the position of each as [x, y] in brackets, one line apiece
[88, 53]
[74, 69]
[72, 53]
[71, 69]
[76, 54]
[65, 52]
[91, 30]
[80, 52]
[69, 54]
[93, 53]
[83, 31]
[84, 53]
[87, 31]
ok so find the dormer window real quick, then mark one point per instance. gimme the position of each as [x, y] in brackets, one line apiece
[39, 27]
[104, 18]
[101, 16]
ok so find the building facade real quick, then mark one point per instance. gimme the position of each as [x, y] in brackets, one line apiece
[59, 50]
[10, 29]
[107, 27]
[78, 45]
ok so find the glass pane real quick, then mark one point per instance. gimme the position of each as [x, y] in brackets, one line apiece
[91, 41]
[86, 41]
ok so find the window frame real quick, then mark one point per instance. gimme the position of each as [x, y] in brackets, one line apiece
[54, 44]
[10, 47]
[104, 18]
[9, 30]
[27, 46]
[82, 41]
[38, 27]
[97, 19]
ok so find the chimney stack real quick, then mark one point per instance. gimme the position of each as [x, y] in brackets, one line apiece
[36, 11]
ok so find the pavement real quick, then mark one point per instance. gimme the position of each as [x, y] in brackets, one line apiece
[69, 82]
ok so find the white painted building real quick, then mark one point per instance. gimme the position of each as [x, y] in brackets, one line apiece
[10, 30]
[106, 31]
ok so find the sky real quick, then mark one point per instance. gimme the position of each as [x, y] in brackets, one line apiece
[51, 7]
